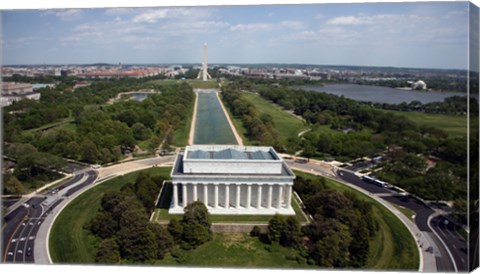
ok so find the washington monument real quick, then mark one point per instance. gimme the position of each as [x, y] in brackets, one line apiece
[203, 72]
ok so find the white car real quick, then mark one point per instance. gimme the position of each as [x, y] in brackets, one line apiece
[10, 253]
[20, 251]
[26, 205]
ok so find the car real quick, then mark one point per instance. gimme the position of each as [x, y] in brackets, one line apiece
[10, 253]
[20, 251]
[29, 253]
[429, 249]
[22, 239]
[26, 205]
[29, 249]
[14, 240]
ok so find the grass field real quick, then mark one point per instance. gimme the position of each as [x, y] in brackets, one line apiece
[286, 124]
[62, 122]
[393, 246]
[238, 250]
[456, 126]
[237, 122]
[69, 241]
[180, 136]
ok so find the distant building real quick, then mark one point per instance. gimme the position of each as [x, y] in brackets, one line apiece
[419, 85]
[12, 92]
[12, 88]
[232, 180]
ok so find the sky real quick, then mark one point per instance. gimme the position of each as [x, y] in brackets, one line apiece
[420, 35]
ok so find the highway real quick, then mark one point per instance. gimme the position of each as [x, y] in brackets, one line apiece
[22, 224]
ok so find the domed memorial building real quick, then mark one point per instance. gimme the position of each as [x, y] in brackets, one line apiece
[230, 179]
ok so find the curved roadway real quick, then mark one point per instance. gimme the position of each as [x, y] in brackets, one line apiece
[21, 226]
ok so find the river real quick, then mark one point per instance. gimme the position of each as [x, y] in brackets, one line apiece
[379, 94]
[211, 126]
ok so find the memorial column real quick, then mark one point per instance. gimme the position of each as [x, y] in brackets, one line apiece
[269, 202]
[175, 196]
[259, 196]
[249, 195]
[227, 196]
[184, 190]
[194, 192]
[215, 201]
[237, 202]
[280, 192]
[205, 194]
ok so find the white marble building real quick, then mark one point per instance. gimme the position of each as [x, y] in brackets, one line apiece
[232, 180]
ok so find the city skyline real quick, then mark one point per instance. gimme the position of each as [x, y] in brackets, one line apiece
[417, 35]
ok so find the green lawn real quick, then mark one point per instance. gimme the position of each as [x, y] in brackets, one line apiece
[62, 122]
[69, 241]
[453, 124]
[180, 136]
[405, 211]
[286, 124]
[237, 122]
[238, 250]
[393, 246]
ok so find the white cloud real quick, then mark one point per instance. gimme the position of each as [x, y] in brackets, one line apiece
[153, 15]
[292, 24]
[66, 14]
[252, 27]
[119, 11]
[267, 26]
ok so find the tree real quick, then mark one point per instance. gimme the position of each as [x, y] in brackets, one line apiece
[196, 234]
[13, 186]
[163, 238]
[255, 231]
[103, 225]
[137, 242]
[290, 236]
[108, 252]
[89, 152]
[175, 228]
[196, 224]
[197, 212]
[276, 226]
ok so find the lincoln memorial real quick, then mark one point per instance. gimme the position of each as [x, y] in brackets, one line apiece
[231, 179]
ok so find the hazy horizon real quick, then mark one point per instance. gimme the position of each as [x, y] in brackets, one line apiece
[401, 35]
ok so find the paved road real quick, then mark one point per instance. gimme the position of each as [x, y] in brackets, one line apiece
[422, 214]
[23, 223]
[457, 245]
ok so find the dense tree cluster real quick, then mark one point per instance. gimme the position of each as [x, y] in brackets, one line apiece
[260, 127]
[103, 132]
[122, 224]
[361, 130]
[338, 236]
[343, 224]
[455, 105]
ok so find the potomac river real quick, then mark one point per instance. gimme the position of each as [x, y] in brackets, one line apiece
[379, 94]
